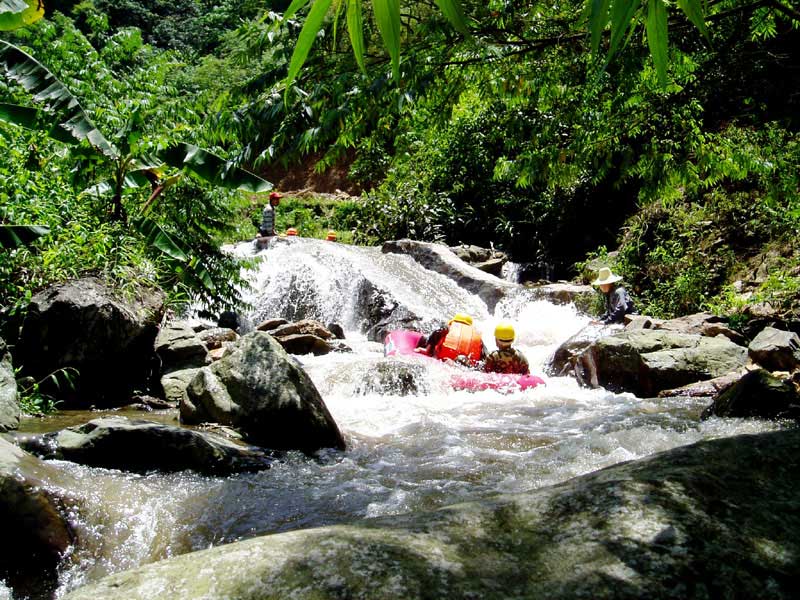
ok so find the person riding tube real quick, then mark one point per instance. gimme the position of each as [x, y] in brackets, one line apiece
[506, 359]
[458, 342]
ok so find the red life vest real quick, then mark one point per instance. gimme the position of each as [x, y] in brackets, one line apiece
[460, 339]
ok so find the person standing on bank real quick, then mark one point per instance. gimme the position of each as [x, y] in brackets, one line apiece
[267, 228]
[618, 302]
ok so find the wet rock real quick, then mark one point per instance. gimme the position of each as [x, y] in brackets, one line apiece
[707, 388]
[565, 359]
[565, 293]
[441, 259]
[146, 402]
[180, 347]
[216, 336]
[260, 391]
[336, 330]
[175, 383]
[646, 362]
[9, 406]
[687, 523]
[758, 394]
[390, 376]
[304, 343]
[82, 325]
[139, 446]
[776, 350]
[380, 312]
[271, 324]
[306, 326]
[705, 324]
[36, 531]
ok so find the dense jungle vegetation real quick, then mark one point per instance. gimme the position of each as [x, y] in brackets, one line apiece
[681, 157]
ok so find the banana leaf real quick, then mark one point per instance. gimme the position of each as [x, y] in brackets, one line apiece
[18, 13]
[16, 236]
[36, 79]
[213, 168]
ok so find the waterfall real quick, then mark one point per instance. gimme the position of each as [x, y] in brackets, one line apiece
[415, 452]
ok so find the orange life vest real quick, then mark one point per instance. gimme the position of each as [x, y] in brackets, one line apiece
[460, 339]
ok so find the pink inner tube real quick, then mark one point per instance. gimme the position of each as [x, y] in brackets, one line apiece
[475, 382]
[401, 341]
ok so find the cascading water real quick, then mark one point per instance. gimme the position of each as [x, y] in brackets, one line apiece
[405, 453]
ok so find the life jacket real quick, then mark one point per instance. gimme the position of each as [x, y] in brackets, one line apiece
[460, 339]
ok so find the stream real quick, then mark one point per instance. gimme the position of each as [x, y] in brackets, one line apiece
[405, 453]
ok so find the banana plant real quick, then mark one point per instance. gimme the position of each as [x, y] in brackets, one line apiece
[63, 119]
[13, 15]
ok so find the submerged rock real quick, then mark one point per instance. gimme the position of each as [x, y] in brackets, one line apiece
[35, 527]
[687, 523]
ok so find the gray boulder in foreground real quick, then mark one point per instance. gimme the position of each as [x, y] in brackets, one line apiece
[717, 519]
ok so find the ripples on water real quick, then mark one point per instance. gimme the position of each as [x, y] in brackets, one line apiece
[404, 453]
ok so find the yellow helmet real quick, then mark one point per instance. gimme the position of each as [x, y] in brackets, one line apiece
[504, 332]
[462, 318]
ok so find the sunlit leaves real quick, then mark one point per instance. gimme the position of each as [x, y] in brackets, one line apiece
[308, 34]
[694, 12]
[657, 37]
[355, 28]
[387, 16]
[18, 13]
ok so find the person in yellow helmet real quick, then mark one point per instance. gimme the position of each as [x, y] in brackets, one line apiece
[458, 341]
[506, 359]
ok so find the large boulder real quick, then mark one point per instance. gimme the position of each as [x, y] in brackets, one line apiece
[646, 362]
[758, 394]
[84, 325]
[35, 528]
[139, 446]
[717, 519]
[776, 350]
[9, 406]
[259, 390]
[441, 259]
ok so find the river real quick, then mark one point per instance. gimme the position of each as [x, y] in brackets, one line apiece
[405, 453]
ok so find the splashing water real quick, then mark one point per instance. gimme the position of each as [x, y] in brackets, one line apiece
[405, 453]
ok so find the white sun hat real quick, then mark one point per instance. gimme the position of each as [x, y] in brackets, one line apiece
[605, 276]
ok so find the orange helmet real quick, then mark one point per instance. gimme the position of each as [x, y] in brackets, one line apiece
[331, 237]
[291, 231]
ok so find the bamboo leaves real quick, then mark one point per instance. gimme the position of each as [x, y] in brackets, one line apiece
[656, 27]
[620, 16]
[387, 19]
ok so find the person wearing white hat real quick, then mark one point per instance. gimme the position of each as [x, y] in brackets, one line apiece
[618, 302]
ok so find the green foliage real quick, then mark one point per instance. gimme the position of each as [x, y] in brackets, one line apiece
[34, 402]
